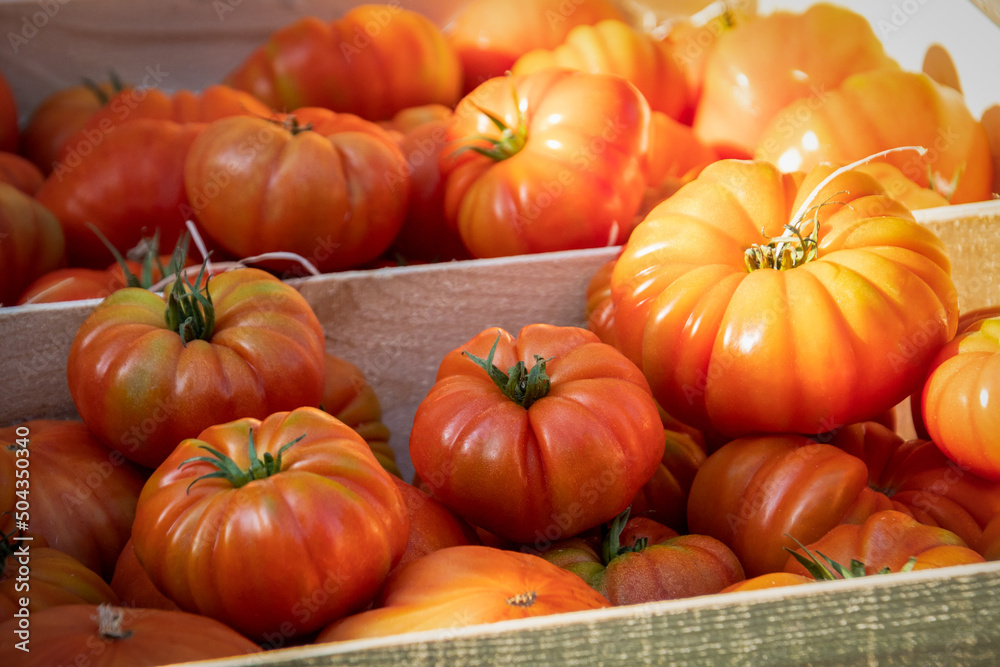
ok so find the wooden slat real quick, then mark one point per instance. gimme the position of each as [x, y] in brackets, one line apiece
[949, 616]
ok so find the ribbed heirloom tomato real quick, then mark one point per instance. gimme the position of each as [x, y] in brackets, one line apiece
[146, 371]
[274, 526]
[552, 160]
[761, 302]
[315, 183]
[557, 444]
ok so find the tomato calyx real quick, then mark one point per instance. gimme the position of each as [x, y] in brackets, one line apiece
[291, 124]
[109, 622]
[611, 546]
[791, 249]
[116, 87]
[190, 312]
[260, 468]
[519, 384]
[828, 570]
[511, 140]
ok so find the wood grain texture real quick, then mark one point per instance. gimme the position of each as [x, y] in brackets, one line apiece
[949, 616]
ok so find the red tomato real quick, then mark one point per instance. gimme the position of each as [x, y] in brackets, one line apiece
[567, 171]
[133, 586]
[860, 118]
[769, 580]
[106, 636]
[432, 525]
[844, 331]
[649, 564]
[299, 490]
[957, 401]
[182, 106]
[557, 444]
[426, 236]
[19, 172]
[348, 397]
[31, 242]
[675, 157]
[373, 61]
[612, 46]
[55, 579]
[754, 492]
[467, 585]
[664, 497]
[143, 382]
[128, 186]
[8, 117]
[490, 35]
[82, 495]
[759, 67]
[889, 539]
[315, 185]
[60, 116]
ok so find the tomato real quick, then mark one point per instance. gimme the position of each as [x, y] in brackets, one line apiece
[559, 443]
[181, 106]
[55, 578]
[133, 586]
[146, 371]
[31, 242]
[8, 117]
[61, 115]
[74, 284]
[956, 402]
[425, 236]
[315, 185]
[107, 636]
[490, 35]
[889, 539]
[19, 172]
[612, 46]
[467, 585]
[294, 510]
[860, 117]
[432, 525]
[650, 564]
[762, 65]
[566, 172]
[664, 497]
[599, 310]
[917, 476]
[676, 156]
[769, 580]
[82, 496]
[755, 491]
[373, 61]
[902, 188]
[129, 186]
[844, 331]
[989, 542]
[348, 397]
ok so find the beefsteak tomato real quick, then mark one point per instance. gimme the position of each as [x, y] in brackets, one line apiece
[467, 585]
[553, 160]
[316, 184]
[146, 371]
[558, 444]
[762, 302]
[860, 117]
[298, 495]
[32, 242]
[373, 61]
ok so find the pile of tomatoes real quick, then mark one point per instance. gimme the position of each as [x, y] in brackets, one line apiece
[726, 420]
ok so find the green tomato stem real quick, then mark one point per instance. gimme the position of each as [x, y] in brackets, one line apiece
[519, 384]
[260, 468]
